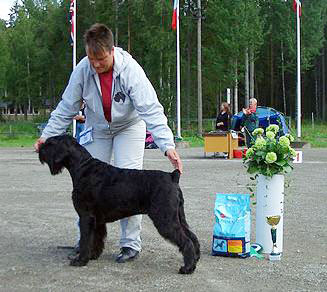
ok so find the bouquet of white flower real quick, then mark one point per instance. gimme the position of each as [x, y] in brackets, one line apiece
[269, 155]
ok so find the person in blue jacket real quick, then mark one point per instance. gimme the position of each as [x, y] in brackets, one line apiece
[250, 121]
[120, 104]
[80, 122]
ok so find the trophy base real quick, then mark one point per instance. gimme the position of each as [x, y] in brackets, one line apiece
[275, 257]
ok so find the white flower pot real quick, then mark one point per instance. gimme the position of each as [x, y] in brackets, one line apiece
[270, 202]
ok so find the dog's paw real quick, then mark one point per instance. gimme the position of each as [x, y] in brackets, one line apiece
[95, 253]
[95, 256]
[185, 270]
[77, 262]
[197, 257]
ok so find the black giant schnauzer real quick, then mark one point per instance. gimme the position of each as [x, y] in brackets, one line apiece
[103, 193]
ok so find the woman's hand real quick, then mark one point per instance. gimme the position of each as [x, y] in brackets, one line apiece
[79, 118]
[246, 111]
[38, 144]
[175, 159]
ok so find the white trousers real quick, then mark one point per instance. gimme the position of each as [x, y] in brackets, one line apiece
[127, 148]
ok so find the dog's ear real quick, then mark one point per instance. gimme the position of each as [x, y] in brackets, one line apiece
[60, 157]
[53, 152]
[41, 154]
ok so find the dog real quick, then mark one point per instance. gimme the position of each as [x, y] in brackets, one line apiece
[103, 193]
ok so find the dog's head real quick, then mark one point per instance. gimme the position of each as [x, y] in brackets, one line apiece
[56, 151]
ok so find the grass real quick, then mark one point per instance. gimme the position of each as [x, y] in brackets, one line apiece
[24, 134]
[17, 141]
[18, 134]
[18, 128]
[195, 141]
[316, 136]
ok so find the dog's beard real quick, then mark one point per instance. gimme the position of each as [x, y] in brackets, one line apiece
[54, 167]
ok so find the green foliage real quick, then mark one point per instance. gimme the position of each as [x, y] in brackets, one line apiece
[36, 56]
[195, 141]
[17, 141]
[230, 27]
[18, 128]
[315, 135]
[269, 156]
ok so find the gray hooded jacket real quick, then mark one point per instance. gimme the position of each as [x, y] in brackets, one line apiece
[133, 99]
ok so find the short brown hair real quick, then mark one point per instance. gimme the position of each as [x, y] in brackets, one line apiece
[98, 38]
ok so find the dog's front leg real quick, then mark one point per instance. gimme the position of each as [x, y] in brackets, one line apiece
[87, 225]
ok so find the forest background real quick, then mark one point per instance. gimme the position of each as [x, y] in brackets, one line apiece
[248, 46]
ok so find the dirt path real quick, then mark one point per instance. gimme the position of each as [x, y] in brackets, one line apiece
[36, 215]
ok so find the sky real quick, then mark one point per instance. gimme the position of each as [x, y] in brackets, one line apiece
[5, 6]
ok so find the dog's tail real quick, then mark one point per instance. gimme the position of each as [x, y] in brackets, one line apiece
[181, 212]
[175, 175]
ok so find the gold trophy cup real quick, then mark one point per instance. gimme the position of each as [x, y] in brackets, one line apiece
[275, 255]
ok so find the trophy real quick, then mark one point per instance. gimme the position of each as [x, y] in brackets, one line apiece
[275, 255]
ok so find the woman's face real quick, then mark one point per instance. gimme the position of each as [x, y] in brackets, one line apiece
[102, 62]
[222, 108]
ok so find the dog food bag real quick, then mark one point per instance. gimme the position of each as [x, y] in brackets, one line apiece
[231, 233]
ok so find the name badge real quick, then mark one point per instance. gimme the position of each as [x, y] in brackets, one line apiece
[86, 136]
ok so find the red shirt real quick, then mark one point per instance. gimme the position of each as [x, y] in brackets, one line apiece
[106, 87]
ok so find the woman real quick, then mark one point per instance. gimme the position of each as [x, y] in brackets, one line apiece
[223, 118]
[222, 124]
[120, 103]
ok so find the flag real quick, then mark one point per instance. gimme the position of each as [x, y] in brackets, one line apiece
[295, 3]
[72, 12]
[174, 18]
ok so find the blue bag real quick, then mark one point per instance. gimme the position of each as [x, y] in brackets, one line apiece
[231, 233]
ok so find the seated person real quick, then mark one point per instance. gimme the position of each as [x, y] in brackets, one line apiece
[223, 118]
[222, 124]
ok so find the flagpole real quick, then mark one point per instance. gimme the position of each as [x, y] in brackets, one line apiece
[178, 102]
[298, 70]
[75, 27]
[74, 53]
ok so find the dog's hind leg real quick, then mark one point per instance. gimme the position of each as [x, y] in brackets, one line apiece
[172, 230]
[100, 234]
[195, 241]
[187, 230]
[87, 226]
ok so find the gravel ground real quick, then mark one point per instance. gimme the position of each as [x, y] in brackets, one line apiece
[37, 215]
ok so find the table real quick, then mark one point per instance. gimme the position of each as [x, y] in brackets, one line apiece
[220, 142]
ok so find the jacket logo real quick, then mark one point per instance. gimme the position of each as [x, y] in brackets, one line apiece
[119, 96]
